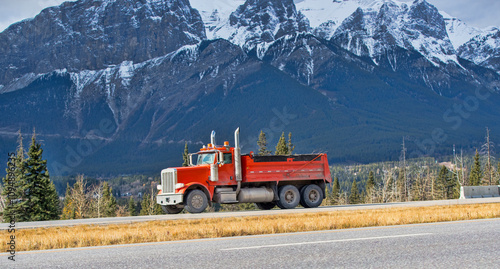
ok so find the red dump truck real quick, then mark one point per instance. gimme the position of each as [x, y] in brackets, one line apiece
[222, 175]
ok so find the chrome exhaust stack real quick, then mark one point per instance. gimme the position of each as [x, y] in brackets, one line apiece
[212, 138]
[237, 159]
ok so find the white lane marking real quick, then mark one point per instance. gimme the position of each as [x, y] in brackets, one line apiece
[329, 241]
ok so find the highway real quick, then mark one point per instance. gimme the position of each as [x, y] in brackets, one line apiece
[461, 244]
[117, 220]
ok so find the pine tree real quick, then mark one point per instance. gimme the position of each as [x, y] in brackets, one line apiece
[43, 200]
[185, 155]
[262, 143]
[290, 146]
[281, 147]
[149, 205]
[440, 183]
[131, 207]
[109, 200]
[476, 173]
[370, 186]
[333, 196]
[354, 196]
[145, 205]
[14, 186]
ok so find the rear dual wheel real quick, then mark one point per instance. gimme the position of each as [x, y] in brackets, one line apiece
[311, 196]
[289, 197]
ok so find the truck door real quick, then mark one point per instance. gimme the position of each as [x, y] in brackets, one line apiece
[226, 169]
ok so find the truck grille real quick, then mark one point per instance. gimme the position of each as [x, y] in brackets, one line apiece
[168, 180]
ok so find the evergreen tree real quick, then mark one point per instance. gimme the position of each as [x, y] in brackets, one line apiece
[262, 143]
[370, 187]
[453, 188]
[476, 173]
[131, 207]
[354, 197]
[440, 183]
[149, 205]
[14, 186]
[42, 199]
[185, 155]
[109, 200]
[145, 205]
[281, 147]
[290, 146]
[333, 196]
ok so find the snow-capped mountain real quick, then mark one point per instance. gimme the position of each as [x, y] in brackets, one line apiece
[458, 31]
[483, 49]
[347, 77]
[90, 34]
[254, 22]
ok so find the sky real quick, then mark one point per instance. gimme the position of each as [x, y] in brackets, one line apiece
[477, 13]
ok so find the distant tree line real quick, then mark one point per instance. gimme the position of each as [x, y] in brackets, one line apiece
[28, 193]
[420, 179]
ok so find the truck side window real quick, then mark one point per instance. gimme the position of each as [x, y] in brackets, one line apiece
[228, 158]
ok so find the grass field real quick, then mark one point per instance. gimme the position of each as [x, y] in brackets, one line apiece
[156, 231]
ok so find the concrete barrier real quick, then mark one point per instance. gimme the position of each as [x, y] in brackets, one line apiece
[479, 191]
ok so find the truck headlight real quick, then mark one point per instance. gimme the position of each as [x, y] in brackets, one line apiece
[179, 185]
[158, 187]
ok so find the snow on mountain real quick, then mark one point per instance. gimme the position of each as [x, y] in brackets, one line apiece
[90, 34]
[458, 31]
[215, 14]
[325, 16]
[373, 30]
[251, 23]
[483, 49]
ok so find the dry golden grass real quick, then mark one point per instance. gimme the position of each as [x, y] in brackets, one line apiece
[156, 231]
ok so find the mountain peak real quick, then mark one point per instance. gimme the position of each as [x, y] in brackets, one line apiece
[253, 22]
[92, 35]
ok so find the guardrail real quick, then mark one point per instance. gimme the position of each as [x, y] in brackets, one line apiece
[467, 192]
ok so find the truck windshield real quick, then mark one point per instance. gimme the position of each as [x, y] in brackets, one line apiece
[206, 158]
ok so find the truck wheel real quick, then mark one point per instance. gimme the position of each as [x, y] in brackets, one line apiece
[265, 206]
[311, 196]
[289, 197]
[171, 209]
[196, 201]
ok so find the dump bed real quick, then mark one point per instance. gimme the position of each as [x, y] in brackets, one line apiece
[285, 168]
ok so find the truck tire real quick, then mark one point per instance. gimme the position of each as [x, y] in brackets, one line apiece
[171, 209]
[196, 201]
[265, 206]
[289, 197]
[311, 196]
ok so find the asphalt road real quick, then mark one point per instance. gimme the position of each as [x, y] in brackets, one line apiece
[116, 220]
[461, 244]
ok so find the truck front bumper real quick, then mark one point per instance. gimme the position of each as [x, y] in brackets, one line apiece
[169, 198]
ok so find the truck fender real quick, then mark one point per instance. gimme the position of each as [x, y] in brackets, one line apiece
[194, 186]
